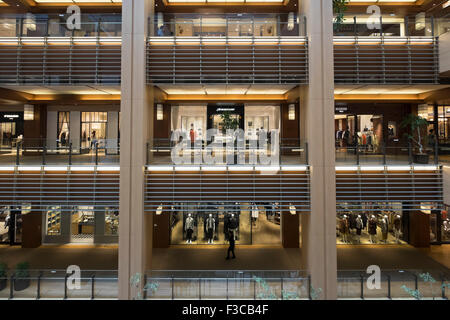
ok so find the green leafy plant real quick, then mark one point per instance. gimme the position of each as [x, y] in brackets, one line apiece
[267, 293]
[3, 270]
[315, 293]
[228, 121]
[135, 282]
[22, 270]
[413, 293]
[416, 124]
[339, 8]
[427, 278]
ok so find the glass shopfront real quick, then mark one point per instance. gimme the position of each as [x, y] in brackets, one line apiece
[11, 223]
[80, 224]
[372, 223]
[439, 115]
[251, 223]
[93, 129]
[11, 128]
[363, 131]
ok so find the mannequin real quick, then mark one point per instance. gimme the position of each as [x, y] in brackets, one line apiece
[397, 227]
[255, 213]
[189, 228]
[344, 229]
[384, 228]
[372, 228]
[210, 228]
[359, 226]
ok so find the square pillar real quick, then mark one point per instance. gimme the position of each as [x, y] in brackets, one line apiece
[135, 228]
[317, 129]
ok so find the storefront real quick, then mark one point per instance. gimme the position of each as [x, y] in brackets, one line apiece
[438, 121]
[372, 223]
[83, 129]
[82, 224]
[371, 128]
[251, 223]
[250, 117]
[11, 128]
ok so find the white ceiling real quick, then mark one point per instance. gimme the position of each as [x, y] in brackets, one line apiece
[225, 89]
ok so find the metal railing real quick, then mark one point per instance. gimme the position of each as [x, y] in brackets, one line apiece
[56, 152]
[225, 285]
[54, 284]
[228, 25]
[290, 151]
[43, 25]
[392, 26]
[402, 153]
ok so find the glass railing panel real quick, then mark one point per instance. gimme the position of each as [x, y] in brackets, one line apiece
[391, 26]
[159, 288]
[52, 287]
[106, 288]
[229, 25]
[349, 287]
[400, 279]
[285, 152]
[241, 289]
[214, 288]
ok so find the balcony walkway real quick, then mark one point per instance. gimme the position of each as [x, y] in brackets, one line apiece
[105, 257]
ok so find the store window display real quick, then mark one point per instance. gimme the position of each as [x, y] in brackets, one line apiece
[370, 223]
[83, 224]
[93, 129]
[53, 221]
[111, 222]
[212, 223]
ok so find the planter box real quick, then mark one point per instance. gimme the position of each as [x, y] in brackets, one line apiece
[421, 158]
[21, 284]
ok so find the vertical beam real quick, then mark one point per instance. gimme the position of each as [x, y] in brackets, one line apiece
[135, 228]
[317, 128]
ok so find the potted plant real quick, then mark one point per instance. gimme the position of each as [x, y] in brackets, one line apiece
[416, 125]
[3, 276]
[22, 276]
[339, 8]
[228, 122]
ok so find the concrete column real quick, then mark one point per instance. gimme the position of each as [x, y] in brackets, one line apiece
[135, 228]
[317, 128]
[446, 173]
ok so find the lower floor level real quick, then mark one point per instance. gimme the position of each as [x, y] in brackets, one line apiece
[105, 257]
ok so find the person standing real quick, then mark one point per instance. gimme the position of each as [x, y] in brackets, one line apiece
[232, 245]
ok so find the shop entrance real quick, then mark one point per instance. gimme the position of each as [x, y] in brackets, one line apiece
[11, 224]
[11, 128]
[363, 131]
[93, 129]
[225, 116]
[83, 225]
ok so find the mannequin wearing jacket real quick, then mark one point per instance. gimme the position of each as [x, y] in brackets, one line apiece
[210, 228]
[359, 226]
[372, 228]
[189, 228]
[343, 228]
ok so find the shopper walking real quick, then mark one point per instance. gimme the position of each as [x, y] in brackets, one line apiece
[231, 247]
